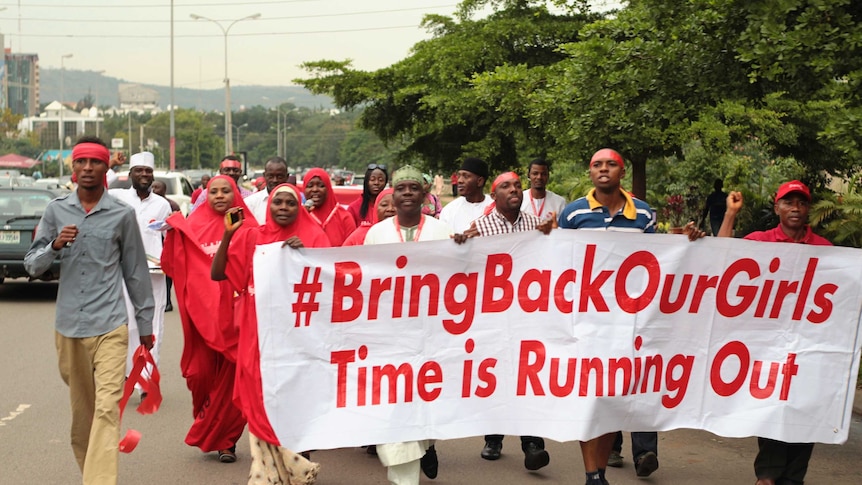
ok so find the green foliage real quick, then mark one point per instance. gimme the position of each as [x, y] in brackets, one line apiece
[838, 216]
[657, 80]
[312, 138]
[427, 102]
[747, 167]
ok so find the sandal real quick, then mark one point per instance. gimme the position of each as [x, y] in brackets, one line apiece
[228, 455]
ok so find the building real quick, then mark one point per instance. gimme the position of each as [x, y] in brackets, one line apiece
[47, 125]
[19, 76]
[21, 83]
[138, 99]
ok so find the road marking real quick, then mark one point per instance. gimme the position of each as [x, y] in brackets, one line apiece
[14, 414]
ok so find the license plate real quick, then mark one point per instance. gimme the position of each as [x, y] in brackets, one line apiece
[10, 237]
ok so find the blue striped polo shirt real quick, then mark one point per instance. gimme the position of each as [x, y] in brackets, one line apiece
[588, 213]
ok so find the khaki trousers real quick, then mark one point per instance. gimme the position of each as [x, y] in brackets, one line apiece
[94, 368]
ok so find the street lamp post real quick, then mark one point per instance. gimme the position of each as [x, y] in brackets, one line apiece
[277, 127]
[228, 145]
[244, 125]
[278, 150]
[62, 127]
[96, 100]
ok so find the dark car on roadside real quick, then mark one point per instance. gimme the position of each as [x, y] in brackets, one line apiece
[21, 209]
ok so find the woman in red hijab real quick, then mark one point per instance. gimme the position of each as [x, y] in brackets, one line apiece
[335, 221]
[383, 208]
[287, 222]
[206, 308]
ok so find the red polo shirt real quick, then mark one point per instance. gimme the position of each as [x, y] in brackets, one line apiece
[777, 235]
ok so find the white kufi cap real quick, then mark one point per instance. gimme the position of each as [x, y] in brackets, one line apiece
[143, 159]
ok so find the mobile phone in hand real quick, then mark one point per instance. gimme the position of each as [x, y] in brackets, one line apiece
[236, 216]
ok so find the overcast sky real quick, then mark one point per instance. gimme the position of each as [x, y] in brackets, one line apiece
[130, 39]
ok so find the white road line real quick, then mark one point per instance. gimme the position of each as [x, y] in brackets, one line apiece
[14, 414]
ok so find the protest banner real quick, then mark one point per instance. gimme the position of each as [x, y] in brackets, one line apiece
[565, 336]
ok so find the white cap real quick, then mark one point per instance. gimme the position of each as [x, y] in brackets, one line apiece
[143, 159]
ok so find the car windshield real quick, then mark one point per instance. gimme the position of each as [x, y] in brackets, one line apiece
[23, 203]
[171, 185]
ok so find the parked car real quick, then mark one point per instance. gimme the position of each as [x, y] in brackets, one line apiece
[50, 184]
[195, 175]
[21, 210]
[179, 187]
[344, 194]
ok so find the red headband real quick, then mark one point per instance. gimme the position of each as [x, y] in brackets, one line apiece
[230, 164]
[502, 178]
[91, 150]
[608, 153]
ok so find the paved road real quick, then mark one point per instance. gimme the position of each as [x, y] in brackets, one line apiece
[34, 420]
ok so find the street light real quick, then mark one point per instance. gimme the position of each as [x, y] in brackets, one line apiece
[62, 130]
[228, 145]
[244, 125]
[277, 127]
[96, 101]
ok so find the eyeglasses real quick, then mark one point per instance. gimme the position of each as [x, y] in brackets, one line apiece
[372, 166]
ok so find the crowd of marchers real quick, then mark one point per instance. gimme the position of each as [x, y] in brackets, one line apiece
[119, 247]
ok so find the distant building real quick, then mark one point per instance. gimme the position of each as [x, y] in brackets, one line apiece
[47, 124]
[19, 76]
[138, 99]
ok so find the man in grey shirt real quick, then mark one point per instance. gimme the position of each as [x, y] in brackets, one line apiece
[99, 245]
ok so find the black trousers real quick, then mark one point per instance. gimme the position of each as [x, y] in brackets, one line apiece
[642, 441]
[786, 463]
[540, 442]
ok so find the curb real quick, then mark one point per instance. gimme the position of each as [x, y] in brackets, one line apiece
[857, 402]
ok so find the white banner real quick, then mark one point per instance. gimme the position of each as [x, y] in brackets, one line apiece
[566, 336]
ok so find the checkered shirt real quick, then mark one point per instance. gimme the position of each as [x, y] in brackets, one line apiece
[494, 223]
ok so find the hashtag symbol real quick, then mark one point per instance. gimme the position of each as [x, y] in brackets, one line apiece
[306, 296]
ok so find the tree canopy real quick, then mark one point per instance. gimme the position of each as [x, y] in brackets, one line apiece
[552, 78]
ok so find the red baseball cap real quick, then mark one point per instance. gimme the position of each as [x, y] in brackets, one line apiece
[788, 188]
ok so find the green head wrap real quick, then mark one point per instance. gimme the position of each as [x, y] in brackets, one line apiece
[407, 172]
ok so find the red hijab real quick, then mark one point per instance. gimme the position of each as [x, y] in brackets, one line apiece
[335, 221]
[187, 256]
[330, 202]
[357, 237]
[303, 226]
[207, 224]
[248, 389]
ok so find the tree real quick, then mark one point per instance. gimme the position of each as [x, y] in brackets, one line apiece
[197, 145]
[88, 101]
[838, 217]
[650, 80]
[427, 101]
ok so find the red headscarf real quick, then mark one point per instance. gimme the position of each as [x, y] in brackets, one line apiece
[303, 226]
[186, 258]
[608, 153]
[248, 389]
[375, 218]
[330, 202]
[336, 222]
[207, 314]
[207, 224]
[357, 237]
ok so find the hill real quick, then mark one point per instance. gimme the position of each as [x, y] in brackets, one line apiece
[105, 91]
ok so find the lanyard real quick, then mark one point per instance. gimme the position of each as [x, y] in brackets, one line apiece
[328, 218]
[541, 207]
[418, 229]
